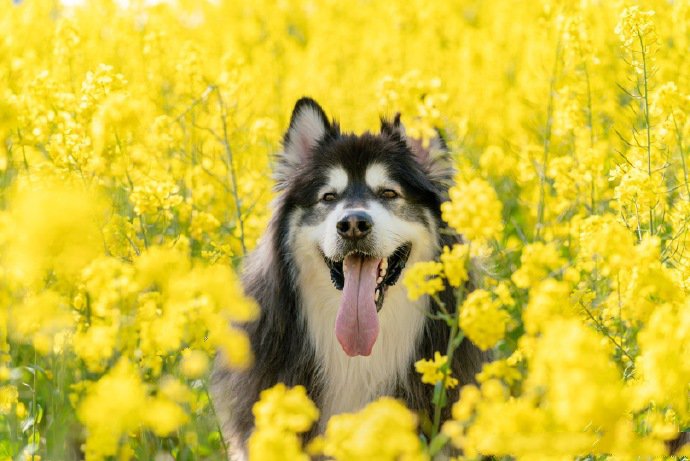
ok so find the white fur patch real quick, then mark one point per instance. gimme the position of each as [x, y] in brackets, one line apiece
[337, 179]
[320, 235]
[377, 177]
[352, 382]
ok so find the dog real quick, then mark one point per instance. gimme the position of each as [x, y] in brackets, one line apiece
[351, 213]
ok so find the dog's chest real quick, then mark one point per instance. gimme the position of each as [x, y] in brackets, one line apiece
[349, 383]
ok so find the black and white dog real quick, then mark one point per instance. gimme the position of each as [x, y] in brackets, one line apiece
[351, 213]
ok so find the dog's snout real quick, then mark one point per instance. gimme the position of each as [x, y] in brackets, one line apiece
[354, 225]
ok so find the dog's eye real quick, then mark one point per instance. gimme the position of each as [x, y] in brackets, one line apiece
[328, 197]
[389, 194]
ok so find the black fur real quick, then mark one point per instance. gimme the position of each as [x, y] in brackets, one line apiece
[279, 338]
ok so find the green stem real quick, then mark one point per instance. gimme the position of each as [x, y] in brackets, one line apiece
[679, 138]
[437, 405]
[215, 418]
[547, 141]
[590, 122]
[231, 168]
[33, 410]
[648, 127]
[601, 327]
[454, 329]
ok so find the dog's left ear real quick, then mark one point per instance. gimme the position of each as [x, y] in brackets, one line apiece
[435, 159]
[309, 125]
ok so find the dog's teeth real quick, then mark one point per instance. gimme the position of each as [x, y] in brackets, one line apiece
[379, 280]
[376, 294]
[383, 268]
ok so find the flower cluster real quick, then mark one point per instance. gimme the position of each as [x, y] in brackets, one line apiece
[384, 429]
[136, 144]
[474, 210]
[436, 370]
[427, 277]
[482, 319]
[280, 415]
[423, 278]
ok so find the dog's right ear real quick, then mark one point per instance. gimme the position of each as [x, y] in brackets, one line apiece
[308, 126]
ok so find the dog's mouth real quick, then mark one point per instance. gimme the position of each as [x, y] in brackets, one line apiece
[364, 281]
[387, 274]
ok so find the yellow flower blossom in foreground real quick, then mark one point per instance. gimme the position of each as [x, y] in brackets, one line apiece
[432, 371]
[423, 278]
[537, 262]
[502, 292]
[118, 404]
[194, 363]
[111, 409]
[20, 410]
[280, 415]
[383, 430]
[482, 319]
[8, 398]
[663, 340]
[474, 210]
[463, 409]
[63, 237]
[545, 418]
[274, 444]
[455, 264]
[39, 319]
[163, 416]
[500, 369]
[547, 300]
[285, 409]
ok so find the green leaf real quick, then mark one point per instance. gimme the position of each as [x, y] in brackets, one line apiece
[214, 439]
[440, 398]
[39, 414]
[35, 439]
[437, 444]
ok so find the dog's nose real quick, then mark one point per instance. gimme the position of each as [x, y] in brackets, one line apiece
[354, 225]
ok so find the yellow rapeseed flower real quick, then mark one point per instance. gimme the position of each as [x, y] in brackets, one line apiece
[273, 444]
[423, 278]
[436, 370]
[482, 319]
[383, 430]
[455, 262]
[280, 415]
[285, 409]
[8, 398]
[538, 261]
[474, 210]
[194, 363]
[163, 416]
[112, 408]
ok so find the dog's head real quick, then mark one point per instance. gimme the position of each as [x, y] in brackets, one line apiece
[364, 205]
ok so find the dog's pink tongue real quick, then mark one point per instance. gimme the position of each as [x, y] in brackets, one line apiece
[357, 323]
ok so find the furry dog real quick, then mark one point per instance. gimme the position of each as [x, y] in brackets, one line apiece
[351, 213]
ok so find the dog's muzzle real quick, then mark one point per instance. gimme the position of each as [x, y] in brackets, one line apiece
[363, 274]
